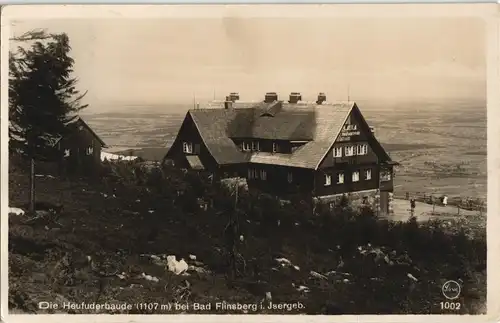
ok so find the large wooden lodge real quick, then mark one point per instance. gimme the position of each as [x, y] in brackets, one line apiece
[315, 148]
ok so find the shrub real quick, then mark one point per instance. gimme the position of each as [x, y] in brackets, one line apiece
[315, 239]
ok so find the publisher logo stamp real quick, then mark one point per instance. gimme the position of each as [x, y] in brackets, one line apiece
[451, 289]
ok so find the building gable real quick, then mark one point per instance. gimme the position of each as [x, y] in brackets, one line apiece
[354, 132]
[367, 133]
[189, 134]
[187, 131]
[355, 129]
[81, 124]
[74, 127]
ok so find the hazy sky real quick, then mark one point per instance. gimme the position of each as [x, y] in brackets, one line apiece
[154, 62]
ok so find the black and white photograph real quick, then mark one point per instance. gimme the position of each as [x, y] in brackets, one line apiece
[246, 160]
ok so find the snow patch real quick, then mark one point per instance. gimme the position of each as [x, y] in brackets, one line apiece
[110, 156]
[16, 211]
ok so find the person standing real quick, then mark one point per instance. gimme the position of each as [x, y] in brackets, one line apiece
[412, 207]
[445, 200]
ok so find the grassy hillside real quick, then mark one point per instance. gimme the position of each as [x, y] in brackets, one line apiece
[346, 262]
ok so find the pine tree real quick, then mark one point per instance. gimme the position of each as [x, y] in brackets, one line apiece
[42, 97]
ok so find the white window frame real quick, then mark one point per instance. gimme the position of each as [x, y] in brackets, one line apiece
[290, 177]
[253, 173]
[362, 149]
[328, 179]
[340, 178]
[246, 146]
[275, 147]
[187, 147]
[368, 174]
[263, 174]
[355, 176]
[349, 151]
[67, 152]
[337, 152]
[89, 151]
[255, 146]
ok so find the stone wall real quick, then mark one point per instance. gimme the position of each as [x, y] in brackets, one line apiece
[358, 199]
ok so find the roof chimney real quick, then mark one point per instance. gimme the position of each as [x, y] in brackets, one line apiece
[295, 97]
[228, 104]
[321, 98]
[234, 96]
[271, 97]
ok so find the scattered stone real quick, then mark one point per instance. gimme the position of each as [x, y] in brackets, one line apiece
[317, 275]
[177, 267]
[136, 286]
[283, 261]
[301, 288]
[199, 270]
[150, 278]
[412, 277]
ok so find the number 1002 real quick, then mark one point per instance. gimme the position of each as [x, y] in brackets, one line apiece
[450, 306]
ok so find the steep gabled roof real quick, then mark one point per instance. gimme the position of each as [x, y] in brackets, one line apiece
[317, 124]
[78, 121]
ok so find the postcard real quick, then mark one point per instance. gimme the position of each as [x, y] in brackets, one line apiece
[250, 162]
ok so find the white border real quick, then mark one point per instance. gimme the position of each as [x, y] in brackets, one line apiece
[488, 12]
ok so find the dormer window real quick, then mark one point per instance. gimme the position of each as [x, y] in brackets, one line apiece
[246, 146]
[187, 147]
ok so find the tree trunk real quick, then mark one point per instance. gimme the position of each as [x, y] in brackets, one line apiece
[32, 185]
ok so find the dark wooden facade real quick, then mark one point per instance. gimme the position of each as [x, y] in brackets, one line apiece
[368, 159]
[80, 150]
[189, 134]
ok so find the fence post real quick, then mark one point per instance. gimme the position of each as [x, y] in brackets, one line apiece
[433, 207]
[458, 209]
